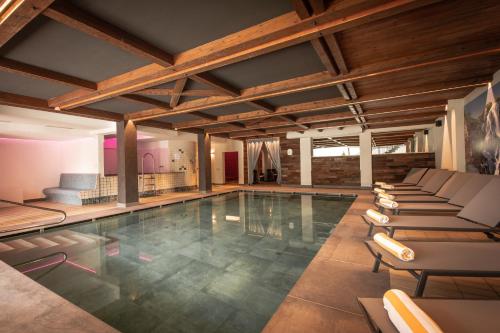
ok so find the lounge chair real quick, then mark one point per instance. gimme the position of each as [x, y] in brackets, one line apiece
[441, 259]
[445, 193]
[412, 178]
[423, 180]
[430, 188]
[453, 206]
[481, 214]
[451, 315]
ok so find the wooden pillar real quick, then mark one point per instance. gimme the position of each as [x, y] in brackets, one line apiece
[204, 163]
[128, 191]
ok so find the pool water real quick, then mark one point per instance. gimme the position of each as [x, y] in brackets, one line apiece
[220, 264]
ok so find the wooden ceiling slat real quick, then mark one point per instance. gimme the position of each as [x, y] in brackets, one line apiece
[278, 33]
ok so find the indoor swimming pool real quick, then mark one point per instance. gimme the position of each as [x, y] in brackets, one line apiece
[219, 264]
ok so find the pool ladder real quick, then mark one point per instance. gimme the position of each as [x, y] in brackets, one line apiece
[148, 180]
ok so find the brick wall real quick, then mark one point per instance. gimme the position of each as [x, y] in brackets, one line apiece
[394, 167]
[336, 171]
[290, 165]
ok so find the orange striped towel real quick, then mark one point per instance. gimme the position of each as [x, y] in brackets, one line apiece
[406, 316]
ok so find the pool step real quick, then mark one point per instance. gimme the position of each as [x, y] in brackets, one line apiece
[64, 241]
[43, 242]
[82, 238]
[5, 247]
[21, 244]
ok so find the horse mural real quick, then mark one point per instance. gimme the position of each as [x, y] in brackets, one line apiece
[490, 163]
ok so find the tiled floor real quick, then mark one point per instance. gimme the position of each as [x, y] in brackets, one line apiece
[324, 298]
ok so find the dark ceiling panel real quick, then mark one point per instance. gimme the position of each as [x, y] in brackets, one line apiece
[306, 96]
[179, 25]
[118, 106]
[321, 112]
[179, 118]
[280, 65]
[230, 109]
[51, 45]
[27, 86]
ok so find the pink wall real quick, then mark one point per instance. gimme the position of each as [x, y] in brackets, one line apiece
[29, 166]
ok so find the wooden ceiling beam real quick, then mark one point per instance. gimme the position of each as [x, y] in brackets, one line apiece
[310, 82]
[17, 14]
[395, 119]
[42, 105]
[281, 32]
[16, 67]
[335, 103]
[76, 18]
[178, 88]
[191, 92]
[326, 49]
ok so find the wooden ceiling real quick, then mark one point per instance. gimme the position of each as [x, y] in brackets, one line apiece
[315, 64]
[379, 139]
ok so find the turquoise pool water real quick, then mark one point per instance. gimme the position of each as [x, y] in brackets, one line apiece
[221, 264]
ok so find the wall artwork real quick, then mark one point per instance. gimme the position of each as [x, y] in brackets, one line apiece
[482, 132]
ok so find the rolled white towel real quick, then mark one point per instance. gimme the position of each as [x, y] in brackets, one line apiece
[388, 203]
[405, 315]
[396, 248]
[386, 196]
[388, 186]
[377, 216]
[379, 183]
[378, 190]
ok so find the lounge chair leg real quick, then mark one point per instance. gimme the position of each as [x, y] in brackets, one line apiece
[381, 209]
[421, 284]
[370, 229]
[376, 265]
[391, 232]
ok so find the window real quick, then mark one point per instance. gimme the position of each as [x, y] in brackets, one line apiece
[336, 151]
[391, 149]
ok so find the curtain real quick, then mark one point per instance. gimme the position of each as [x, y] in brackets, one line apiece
[253, 151]
[273, 147]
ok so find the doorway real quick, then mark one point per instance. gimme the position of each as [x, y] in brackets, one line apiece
[231, 171]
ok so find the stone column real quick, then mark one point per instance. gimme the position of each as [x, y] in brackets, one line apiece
[457, 129]
[306, 161]
[365, 159]
[126, 135]
[204, 163]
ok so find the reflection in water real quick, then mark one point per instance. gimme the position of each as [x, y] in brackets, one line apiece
[223, 263]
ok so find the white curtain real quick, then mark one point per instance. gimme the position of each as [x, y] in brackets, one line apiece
[253, 151]
[273, 147]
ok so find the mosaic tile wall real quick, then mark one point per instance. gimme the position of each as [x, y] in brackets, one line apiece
[182, 177]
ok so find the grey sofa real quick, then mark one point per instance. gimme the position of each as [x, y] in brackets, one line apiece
[72, 188]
